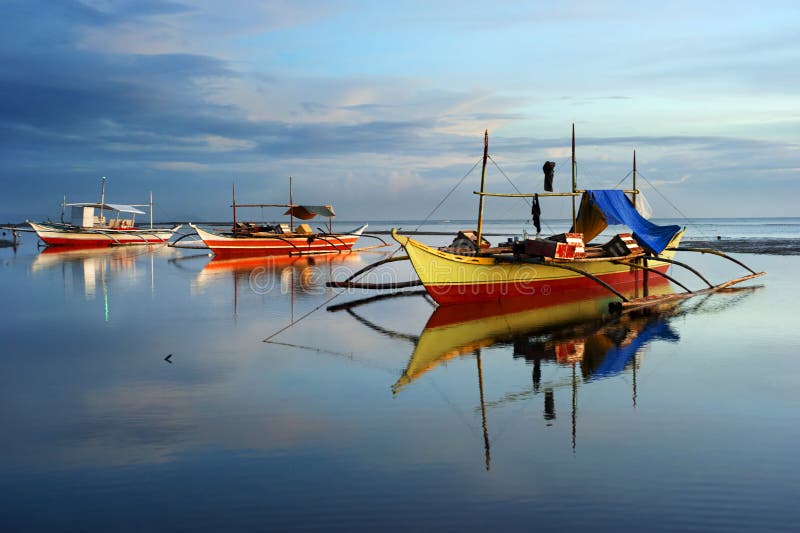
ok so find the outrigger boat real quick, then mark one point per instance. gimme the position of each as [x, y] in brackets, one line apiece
[470, 270]
[255, 239]
[90, 227]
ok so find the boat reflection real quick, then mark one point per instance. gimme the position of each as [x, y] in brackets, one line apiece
[559, 328]
[91, 270]
[573, 333]
[298, 277]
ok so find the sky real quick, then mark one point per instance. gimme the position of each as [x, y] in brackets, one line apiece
[379, 108]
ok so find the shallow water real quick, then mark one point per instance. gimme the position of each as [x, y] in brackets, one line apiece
[367, 419]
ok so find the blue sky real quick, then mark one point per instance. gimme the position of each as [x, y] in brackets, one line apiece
[380, 107]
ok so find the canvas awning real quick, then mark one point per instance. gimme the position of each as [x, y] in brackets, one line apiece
[602, 208]
[121, 208]
[307, 212]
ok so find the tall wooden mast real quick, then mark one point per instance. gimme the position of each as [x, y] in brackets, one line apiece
[103, 200]
[291, 206]
[483, 181]
[633, 194]
[574, 176]
[233, 185]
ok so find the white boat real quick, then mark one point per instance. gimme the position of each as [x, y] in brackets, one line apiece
[102, 224]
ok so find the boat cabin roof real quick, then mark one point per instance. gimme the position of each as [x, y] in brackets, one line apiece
[120, 208]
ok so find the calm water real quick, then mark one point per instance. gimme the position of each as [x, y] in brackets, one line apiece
[390, 415]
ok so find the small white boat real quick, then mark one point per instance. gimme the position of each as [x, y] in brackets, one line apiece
[101, 224]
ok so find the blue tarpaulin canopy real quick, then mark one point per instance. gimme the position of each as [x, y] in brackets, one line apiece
[600, 208]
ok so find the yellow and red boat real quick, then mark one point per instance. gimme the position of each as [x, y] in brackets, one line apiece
[452, 278]
[472, 271]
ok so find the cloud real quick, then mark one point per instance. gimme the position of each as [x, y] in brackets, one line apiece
[189, 93]
[180, 166]
[156, 27]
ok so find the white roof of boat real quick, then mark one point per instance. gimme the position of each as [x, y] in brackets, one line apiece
[122, 208]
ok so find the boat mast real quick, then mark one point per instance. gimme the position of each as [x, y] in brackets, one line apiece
[291, 206]
[483, 181]
[63, 207]
[633, 194]
[574, 175]
[151, 209]
[233, 185]
[102, 200]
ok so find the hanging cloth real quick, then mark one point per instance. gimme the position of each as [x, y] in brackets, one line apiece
[549, 168]
[536, 212]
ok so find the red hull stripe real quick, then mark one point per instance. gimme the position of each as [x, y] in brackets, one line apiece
[98, 243]
[230, 247]
[546, 290]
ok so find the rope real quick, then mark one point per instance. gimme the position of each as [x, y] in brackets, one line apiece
[663, 197]
[687, 220]
[446, 196]
[623, 179]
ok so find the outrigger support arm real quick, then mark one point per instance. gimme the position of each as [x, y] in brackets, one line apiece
[684, 265]
[714, 252]
[655, 271]
[572, 269]
[591, 277]
[377, 264]
[312, 237]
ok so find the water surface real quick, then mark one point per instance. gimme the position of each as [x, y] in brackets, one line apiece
[390, 415]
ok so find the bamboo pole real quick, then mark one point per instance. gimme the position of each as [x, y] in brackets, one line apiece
[291, 213]
[233, 186]
[633, 194]
[483, 182]
[577, 192]
[102, 200]
[574, 176]
[151, 209]
[666, 298]
[377, 286]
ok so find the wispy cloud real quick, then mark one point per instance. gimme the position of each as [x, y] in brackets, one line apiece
[254, 91]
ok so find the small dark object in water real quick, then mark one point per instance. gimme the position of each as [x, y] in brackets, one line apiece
[168, 359]
[718, 237]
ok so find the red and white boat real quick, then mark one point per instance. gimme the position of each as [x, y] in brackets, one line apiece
[260, 239]
[96, 231]
[280, 239]
[96, 225]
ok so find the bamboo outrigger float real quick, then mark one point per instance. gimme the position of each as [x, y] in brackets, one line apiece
[470, 270]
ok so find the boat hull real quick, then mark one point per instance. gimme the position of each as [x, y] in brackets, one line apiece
[276, 245]
[53, 236]
[454, 279]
